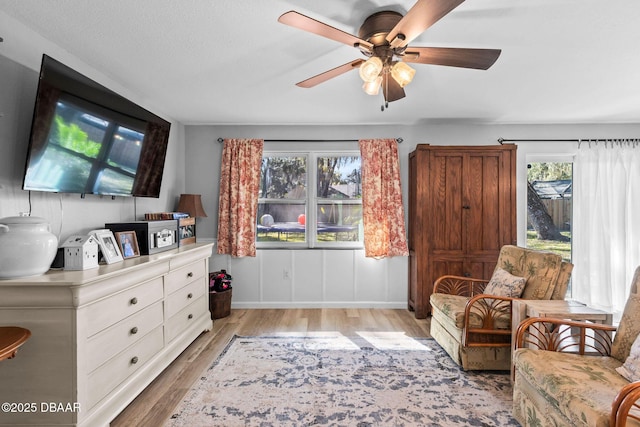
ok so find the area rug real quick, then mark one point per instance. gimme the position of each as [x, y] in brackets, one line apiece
[375, 379]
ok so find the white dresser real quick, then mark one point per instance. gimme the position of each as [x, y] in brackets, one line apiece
[99, 336]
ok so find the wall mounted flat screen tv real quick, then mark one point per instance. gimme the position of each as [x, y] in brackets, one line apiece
[87, 139]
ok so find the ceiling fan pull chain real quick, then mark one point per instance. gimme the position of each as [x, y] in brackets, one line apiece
[386, 103]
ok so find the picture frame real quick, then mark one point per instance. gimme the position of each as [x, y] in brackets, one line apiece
[128, 244]
[108, 245]
[186, 231]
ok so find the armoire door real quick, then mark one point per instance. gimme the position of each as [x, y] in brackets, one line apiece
[466, 211]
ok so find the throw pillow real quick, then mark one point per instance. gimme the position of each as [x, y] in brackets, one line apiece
[631, 367]
[505, 284]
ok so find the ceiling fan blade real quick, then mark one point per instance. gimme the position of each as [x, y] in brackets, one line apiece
[302, 22]
[480, 59]
[334, 72]
[421, 16]
[391, 90]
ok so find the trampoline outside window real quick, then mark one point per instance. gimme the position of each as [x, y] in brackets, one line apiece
[309, 200]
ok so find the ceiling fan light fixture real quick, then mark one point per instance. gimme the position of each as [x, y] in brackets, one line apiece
[370, 69]
[373, 87]
[402, 73]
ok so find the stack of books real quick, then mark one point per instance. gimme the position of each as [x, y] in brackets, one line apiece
[165, 215]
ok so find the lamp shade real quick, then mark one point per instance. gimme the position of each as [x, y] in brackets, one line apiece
[370, 69]
[191, 204]
[372, 87]
[402, 73]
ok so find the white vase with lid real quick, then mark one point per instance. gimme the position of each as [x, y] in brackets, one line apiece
[27, 246]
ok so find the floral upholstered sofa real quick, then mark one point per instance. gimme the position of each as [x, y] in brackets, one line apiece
[565, 378]
[472, 322]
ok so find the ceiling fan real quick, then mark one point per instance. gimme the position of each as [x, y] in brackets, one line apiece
[384, 39]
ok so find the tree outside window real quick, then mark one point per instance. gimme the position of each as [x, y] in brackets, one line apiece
[298, 207]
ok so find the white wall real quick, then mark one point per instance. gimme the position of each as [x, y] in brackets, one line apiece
[20, 57]
[345, 278]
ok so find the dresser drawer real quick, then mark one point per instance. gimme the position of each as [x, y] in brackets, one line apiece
[104, 379]
[183, 297]
[182, 276]
[113, 309]
[182, 320]
[106, 344]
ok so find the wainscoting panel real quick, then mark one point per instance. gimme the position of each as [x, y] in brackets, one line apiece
[315, 278]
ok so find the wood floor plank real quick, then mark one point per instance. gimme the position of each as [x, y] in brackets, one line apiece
[157, 402]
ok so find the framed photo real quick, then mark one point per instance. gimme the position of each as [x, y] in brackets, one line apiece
[128, 244]
[108, 245]
[186, 231]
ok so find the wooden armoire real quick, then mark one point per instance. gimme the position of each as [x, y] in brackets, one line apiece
[462, 210]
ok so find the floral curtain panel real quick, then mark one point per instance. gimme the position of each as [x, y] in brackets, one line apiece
[383, 212]
[238, 205]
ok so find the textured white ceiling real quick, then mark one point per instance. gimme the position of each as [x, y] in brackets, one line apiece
[231, 62]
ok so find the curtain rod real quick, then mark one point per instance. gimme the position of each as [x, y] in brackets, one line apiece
[398, 140]
[501, 140]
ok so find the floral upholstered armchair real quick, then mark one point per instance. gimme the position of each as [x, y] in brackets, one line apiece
[471, 318]
[570, 373]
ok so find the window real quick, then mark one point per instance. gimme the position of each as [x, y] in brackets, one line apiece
[550, 206]
[310, 199]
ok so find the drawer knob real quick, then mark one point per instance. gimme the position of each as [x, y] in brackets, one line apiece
[134, 360]
[190, 316]
[190, 295]
[134, 330]
[190, 274]
[134, 301]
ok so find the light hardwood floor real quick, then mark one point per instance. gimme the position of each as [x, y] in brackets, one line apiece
[156, 403]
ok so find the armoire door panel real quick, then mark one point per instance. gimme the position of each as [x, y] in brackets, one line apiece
[444, 267]
[483, 229]
[446, 219]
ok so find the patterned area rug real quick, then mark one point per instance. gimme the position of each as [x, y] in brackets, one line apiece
[375, 379]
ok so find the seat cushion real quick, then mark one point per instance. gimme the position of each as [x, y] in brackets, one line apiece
[452, 307]
[582, 388]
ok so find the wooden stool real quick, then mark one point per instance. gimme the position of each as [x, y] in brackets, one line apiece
[11, 338]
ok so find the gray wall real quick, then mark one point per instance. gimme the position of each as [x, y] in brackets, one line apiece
[321, 278]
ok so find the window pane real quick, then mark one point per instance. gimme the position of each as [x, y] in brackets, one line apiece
[281, 222]
[339, 222]
[339, 177]
[550, 208]
[283, 178]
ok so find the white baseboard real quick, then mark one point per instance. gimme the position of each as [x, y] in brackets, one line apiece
[319, 304]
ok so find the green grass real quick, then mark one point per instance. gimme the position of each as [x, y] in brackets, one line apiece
[562, 248]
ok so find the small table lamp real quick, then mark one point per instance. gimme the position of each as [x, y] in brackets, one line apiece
[191, 204]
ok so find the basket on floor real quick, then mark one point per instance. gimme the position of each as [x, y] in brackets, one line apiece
[219, 294]
[220, 304]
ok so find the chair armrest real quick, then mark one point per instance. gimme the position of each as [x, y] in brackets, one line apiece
[560, 335]
[625, 406]
[458, 285]
[489, 308]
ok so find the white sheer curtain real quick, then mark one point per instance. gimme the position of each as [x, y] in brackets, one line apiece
[606, 230]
